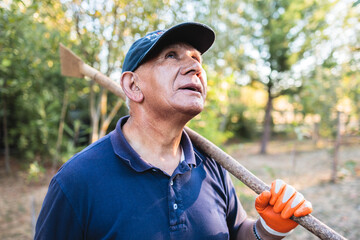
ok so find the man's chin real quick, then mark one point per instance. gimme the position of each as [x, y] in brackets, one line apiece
[189, 108]
[191, 111]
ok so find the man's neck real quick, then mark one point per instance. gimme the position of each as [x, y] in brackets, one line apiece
[157, 141]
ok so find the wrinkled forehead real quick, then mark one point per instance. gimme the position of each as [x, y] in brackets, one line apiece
[174, 46]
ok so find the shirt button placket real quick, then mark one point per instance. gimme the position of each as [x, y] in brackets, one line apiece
[175, 206]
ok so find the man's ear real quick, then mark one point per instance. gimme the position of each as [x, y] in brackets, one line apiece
[129, 84]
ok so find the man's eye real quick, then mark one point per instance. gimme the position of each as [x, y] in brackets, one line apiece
[170, 55]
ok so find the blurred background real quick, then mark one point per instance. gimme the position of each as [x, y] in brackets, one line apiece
[283, 94]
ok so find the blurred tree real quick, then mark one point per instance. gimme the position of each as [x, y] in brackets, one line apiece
[281, 32]
[104, 31]
[29, 74]
[279, 47]
[330, 71]
[351, 65]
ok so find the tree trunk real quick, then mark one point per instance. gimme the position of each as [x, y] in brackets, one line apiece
[103, 112]
[267, 124]
[60, 130]
[107, 121]
[94, 114]
[315, 135]
[336, 149]
[5, 132]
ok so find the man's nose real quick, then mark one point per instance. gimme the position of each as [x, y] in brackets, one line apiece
[192, 66]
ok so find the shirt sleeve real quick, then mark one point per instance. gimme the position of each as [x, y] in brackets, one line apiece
[57, 219]
[236, 215]
[240, 226]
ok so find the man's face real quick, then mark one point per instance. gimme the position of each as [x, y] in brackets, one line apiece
[174, 81]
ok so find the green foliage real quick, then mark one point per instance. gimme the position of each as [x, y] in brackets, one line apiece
[243, 127]
[270, 171]
[30, 74]
[212, 122]
[332, 79]
[35, 172]
[209, 129]
[260, 44]
[350, 165]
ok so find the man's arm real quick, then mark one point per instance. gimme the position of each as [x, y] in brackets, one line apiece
[248, 228]
[57, 219]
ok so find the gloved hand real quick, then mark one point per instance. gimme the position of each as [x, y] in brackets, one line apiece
[278, 205]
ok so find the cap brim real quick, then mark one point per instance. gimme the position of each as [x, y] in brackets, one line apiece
[198, 35]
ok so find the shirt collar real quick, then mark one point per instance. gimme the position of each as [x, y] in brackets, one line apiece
[123, 149]
[182, 155]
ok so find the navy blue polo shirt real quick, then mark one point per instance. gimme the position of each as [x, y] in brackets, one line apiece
[108, 192]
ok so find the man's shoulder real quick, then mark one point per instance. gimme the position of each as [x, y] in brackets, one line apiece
[205, 157]
[209, 162]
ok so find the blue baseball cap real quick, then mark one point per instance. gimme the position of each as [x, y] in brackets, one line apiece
[198, 35]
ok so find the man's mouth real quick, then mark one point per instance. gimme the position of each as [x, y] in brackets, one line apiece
[191, 87]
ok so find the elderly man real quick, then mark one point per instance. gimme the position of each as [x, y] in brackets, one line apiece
[145, 180]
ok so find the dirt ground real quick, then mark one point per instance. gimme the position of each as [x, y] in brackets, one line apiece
[306, 167]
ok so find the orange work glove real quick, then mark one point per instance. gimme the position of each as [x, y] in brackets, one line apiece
[278, 205]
